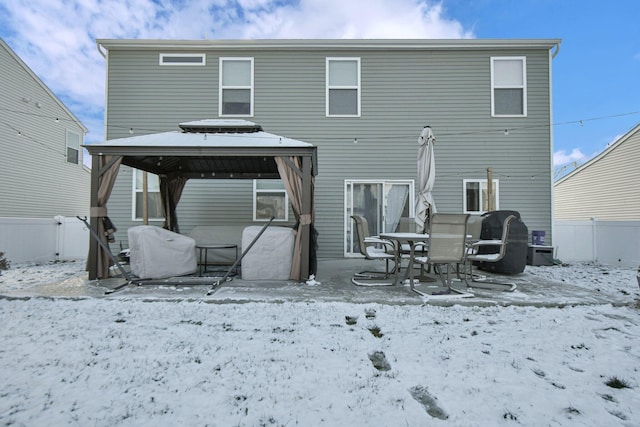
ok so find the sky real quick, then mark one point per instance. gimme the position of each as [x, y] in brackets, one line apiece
[596, 74]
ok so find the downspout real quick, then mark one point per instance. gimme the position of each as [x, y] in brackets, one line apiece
[100, 51]
[552, 53]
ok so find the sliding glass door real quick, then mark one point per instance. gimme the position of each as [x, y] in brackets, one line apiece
[382, 202]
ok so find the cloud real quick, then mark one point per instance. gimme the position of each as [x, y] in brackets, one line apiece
[561, 157]
[57, 38]
[327, 19]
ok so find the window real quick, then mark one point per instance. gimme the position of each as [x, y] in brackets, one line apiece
[73, 147]
[509, 86]
[236, 86]
[270, 200]
[182, 59]
[343, 87]
[386, 204]
[476, 195]
[154, 204]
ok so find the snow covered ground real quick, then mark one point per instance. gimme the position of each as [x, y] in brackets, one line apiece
[142, 362]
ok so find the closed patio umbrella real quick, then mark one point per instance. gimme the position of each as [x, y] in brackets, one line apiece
[425, 205]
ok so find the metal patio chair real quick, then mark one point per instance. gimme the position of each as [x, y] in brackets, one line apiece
[447, 249]
[375, 249]
[474, 254]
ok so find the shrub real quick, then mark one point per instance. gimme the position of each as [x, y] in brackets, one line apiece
[4, 264]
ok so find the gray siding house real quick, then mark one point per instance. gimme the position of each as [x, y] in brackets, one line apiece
[362, 103]
[41, 167]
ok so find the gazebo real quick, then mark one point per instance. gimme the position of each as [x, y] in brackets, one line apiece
[206, 149]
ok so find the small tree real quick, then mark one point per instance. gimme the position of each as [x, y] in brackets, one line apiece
[4, 264]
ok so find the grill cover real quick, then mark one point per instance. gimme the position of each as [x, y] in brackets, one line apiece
[515, 257]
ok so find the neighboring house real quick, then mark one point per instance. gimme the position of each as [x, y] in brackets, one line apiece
[363, 103]
[41, 166]
[597, 206]
[606, 187]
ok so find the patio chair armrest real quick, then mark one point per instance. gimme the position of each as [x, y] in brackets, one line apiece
[494, 242]
[389, 247]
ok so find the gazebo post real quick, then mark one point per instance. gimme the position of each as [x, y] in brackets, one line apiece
[306, 213]
[92, 256]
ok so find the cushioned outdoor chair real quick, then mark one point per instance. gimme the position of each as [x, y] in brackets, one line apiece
[375, 249]
[474, 254]
[447, 249]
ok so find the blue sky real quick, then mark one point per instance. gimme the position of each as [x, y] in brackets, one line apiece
[596, 75]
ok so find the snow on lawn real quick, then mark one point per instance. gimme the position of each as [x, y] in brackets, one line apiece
[129, 362]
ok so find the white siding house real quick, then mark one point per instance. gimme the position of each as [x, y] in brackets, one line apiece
[607, 187]
[597, 206]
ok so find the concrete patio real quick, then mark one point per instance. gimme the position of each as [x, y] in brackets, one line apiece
[334, 277]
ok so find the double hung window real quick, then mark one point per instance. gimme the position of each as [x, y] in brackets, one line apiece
[73, 147]
[270, 200]
[509, 86]
[476, 195]
[154, 204]
[236, 87]
[343, 87]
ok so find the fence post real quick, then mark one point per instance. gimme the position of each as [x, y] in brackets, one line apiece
[594, 239]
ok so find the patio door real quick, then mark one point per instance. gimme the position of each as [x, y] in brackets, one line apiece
[381, 202]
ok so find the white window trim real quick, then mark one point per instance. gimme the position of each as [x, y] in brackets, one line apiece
[357, 87]
[523, 87]
[220, 87]
[78, 148]
[183, 55]
[134, 191]
[348, 205]
[496, 189]
[255, 201]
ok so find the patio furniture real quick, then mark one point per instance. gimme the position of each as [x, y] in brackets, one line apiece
[406, 246]
[499, 249]
[203, 251]
[375, 249]
[447, 249]
[271, 256]
[157, 253]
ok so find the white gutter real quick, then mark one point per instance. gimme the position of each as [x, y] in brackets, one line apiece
[100, 51]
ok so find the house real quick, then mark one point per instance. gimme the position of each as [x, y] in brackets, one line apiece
[605, 187]
[362, 103]
[597, 206]
[41, 167]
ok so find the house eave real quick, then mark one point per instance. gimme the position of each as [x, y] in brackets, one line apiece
[333, 44]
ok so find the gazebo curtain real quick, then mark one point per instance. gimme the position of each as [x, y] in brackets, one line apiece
[292, 179]
[109, 166]
[170, 193]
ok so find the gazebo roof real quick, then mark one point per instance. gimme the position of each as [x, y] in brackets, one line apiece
[207, 149]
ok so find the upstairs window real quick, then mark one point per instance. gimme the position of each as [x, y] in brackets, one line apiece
[270, 200]
[73, 147]
[509, 86]
[183, 59]
[343, 87]
[236, 87]
[476, 196]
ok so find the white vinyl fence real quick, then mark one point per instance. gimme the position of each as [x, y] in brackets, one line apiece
[606, 242]
[43, 239]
